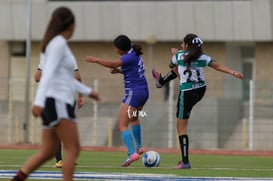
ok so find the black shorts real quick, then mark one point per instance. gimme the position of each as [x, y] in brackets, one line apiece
[55, 110]
[186, 101]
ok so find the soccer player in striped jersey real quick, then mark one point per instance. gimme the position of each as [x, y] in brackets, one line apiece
[189, 64]
[131, 65]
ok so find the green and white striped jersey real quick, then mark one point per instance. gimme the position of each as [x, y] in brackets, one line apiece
[193, 77]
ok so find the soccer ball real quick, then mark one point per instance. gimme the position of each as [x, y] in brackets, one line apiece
[151, 159]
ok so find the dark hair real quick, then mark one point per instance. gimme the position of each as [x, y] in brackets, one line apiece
[195, 48]
[137, 49]
[122, 42]
[61, 19]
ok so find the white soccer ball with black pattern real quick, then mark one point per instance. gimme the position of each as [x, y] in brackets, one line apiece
[151, 159]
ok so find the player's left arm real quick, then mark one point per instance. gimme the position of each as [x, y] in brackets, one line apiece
[116, 71]
[80, 100]
[38, 75]
[219, 67]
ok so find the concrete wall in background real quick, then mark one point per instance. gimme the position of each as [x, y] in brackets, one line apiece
[162, 20]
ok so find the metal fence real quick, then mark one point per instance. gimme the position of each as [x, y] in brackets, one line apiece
[217, 122]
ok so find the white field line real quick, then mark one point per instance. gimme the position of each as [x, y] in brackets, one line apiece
[124, 176]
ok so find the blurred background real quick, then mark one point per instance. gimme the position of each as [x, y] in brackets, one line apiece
[234, 114]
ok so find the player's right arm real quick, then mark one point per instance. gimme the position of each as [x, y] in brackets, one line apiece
[106, 63]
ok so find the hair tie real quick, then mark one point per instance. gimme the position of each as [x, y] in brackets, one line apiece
[197, 41]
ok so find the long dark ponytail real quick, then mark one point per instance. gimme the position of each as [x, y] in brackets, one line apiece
[195, 48]
[61, 20]
[137, 49]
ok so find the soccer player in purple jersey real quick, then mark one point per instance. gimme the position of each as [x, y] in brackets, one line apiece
[131, 65]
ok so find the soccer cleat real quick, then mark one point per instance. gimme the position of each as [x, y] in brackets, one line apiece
[140, 151]
[131, 159]
[58, 164]
[182, 165]
[157, 77]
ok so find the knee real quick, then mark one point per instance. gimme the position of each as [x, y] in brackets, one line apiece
[75, 148]
[76, 151]
[46, 155]
[122, 127]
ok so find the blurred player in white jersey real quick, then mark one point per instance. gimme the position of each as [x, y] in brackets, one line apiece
[55, 98]
[80, 102]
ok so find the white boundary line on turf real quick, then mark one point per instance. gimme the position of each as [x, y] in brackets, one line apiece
[200, 168]
[124, 176]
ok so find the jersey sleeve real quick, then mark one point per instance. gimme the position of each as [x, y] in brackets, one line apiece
[126, 59]
[76, 68]
[208, 60]
[54, 52]
[82, 88]
[174, 60]
[42, 62]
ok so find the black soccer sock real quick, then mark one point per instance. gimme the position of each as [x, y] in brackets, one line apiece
[20, 176]
[170, 76]
[58, 154]
[184, 146]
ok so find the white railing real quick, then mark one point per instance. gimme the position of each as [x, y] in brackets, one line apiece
[207, 126]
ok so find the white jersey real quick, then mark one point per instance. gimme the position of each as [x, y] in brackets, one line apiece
[57, 81]
[192, 77]
[42, 63]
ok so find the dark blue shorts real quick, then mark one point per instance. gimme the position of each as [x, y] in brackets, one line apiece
[136, 97]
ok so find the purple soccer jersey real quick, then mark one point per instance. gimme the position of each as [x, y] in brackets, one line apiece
[133, 71]
[135, 83]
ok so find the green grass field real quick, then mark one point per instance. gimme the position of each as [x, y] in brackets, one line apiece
[202, 165]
